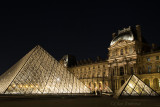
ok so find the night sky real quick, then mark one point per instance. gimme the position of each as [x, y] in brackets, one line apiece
[83, 29]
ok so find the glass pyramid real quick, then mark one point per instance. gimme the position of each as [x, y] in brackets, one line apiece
[39, 73]
[135, 87]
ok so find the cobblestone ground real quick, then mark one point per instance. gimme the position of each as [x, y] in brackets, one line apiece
[88, 101]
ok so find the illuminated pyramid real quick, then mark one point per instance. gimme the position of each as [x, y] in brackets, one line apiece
[39, 73]
[135, 87]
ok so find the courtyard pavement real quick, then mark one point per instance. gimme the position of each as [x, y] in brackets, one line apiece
[77, 101]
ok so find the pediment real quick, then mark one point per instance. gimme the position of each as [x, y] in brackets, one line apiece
[120, 43]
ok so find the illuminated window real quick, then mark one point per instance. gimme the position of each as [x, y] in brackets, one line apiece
[104, 73]
[148, 59]
[113, 53]
[81, 75]
[157, 57]
[90, 85]
[116, 52]
[126, 50]
[121, 71]
[149, 69]
[95, 85]
[158, 68]
[98, 66]
[121, 51]
[155, 83]
[132, 72]
[93, 75]
[130, 50]
[100, 85]
[98, 74]
[113, 72]
[84, 76]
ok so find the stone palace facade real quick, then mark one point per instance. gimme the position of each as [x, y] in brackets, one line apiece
[128, 54]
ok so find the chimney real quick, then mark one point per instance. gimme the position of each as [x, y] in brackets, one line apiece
[81, 62]
[113, 35]
[78, 63]
[89, 60]
[153, 46]
[138, 30]
[85, 61]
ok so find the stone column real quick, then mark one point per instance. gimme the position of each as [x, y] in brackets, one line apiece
[116, 70]
[117, 85]
[124, 69]
[151, 82]
[134, 69]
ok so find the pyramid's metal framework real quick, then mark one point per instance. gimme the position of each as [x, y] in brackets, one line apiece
[39, 73]
[135, 87]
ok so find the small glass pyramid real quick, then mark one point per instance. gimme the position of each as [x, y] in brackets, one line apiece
[135, 87]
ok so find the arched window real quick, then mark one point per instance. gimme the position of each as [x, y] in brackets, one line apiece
[146, 81]
[122, 82]
[100, 85]
[113, 53]
[132, 72]
[95, 85]
[106, 83]
[98, 74]
[158, 68]
[81, 75]
[121, 51]
[89, 74]
[130, 50]
[104, 73]
[139, 70]
[90, 85]
[156, 83]
[113, 72]
[121, 71]
[84, 76]
[93, 75]
[149, 69]
[116, 52]
[126, 50]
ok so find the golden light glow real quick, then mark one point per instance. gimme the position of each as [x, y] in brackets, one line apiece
[58, 79]
[131, 85]
[20, 86]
